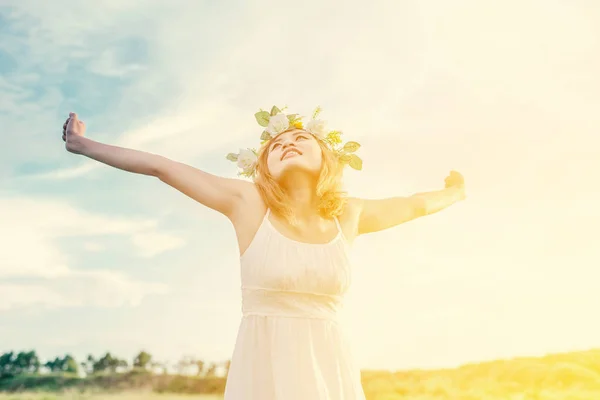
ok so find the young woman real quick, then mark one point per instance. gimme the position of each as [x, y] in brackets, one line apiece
[294, 227]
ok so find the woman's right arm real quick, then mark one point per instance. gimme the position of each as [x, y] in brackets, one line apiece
[221, 194]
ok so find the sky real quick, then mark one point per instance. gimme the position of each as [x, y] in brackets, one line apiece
[94, 259]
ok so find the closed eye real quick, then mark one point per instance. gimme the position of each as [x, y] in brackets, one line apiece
[298, 137]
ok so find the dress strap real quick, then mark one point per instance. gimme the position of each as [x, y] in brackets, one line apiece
[337, 223]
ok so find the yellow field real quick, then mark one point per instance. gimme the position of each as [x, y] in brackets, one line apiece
[119, 396]
[567, 376]
[530, 395]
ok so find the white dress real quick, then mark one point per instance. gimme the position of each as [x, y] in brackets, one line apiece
[290, 344]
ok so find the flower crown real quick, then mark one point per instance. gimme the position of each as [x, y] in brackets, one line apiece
[277, 122]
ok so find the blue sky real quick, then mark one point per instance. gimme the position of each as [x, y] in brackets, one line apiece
[94, 259]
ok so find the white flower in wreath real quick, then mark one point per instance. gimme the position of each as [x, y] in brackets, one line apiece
[317, 127]
[247, 160]
[277, 124]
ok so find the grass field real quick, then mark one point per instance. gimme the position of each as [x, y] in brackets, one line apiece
[119, 396]
[566, 376]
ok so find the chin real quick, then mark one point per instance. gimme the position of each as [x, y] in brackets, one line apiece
[293, 168]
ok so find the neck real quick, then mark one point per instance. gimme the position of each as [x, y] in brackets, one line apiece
[301, 191]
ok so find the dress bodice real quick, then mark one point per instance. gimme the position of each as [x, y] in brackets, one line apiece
[284, 277]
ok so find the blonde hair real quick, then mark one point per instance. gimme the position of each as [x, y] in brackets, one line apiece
[331, 197]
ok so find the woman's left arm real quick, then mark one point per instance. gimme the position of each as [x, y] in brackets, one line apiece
[377, 215]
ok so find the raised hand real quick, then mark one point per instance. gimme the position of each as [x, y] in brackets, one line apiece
[455, 180]
[73, 129]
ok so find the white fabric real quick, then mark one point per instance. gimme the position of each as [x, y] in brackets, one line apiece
[290, 344]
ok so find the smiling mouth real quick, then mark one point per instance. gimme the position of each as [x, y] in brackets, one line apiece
[290, 153]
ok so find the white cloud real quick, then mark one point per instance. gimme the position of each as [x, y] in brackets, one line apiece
[420, 78]
[79, 289]
[66, 173]
[93, 247]
[15, 295]
[150, 244]
[108, 64]
[35, 234]
[218, 89]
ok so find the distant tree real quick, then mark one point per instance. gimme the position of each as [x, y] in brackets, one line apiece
[56, 365]
[188, 364]
[143, 360]
[200, 365]
[121, 364]
[90, 361]
[182, 365]
[19, 364]
[212, 370]
[25, 362]
[160, 366]
[70, 365]
[34, 361]
[108, 363]
[88, 364]
[6, 363]
[104, 364]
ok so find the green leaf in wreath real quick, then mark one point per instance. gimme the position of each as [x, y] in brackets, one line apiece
[232, 157]
[351, 147]
[262, 117]
[356, 162]
[317, 112]
[275, 111]
[345, 158]
[246, 174]
[265, 136]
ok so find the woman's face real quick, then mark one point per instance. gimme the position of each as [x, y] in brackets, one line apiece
[294, 150]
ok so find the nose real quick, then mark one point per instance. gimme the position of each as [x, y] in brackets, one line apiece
[286, 143]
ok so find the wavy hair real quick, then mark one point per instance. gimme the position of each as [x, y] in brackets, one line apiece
[331, 197]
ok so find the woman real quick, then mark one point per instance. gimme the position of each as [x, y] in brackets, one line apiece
[294, 227]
